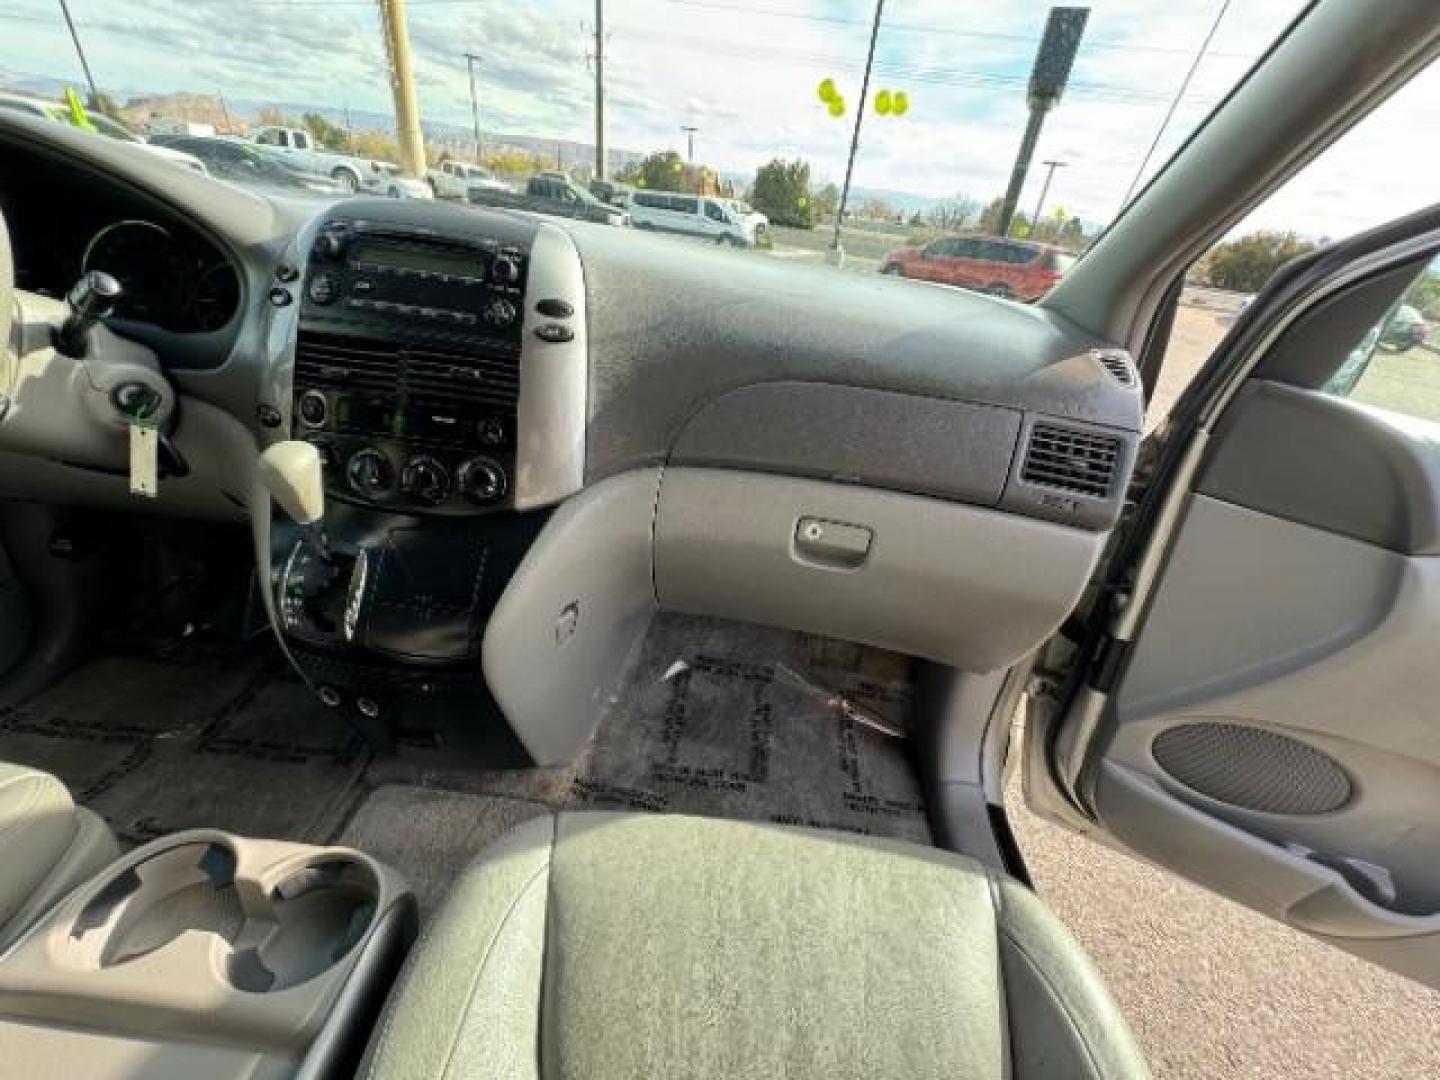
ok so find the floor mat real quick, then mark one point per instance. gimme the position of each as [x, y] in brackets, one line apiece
[429, 835]
[713, 719]
[224, 741]
[762, 725]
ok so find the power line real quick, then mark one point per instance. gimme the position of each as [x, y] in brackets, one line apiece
[930, 28]
[1175, 102]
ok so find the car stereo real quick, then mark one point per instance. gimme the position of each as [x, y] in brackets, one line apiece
[407, 366]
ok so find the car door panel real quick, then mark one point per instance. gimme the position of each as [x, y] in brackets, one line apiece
[1275, 732]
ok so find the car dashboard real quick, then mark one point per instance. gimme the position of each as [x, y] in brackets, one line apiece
[537, 434]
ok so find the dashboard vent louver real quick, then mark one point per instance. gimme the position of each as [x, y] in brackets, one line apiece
[433, 372]
[1119, 367]
[1069, 460]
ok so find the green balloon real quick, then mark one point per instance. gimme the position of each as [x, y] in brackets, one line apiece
[837, 107]
[899, 103]
[827, 91]
[882, 103]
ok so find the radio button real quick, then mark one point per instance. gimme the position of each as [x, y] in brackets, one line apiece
[362, 285]
[490, 432]
[555, 309]
[313, 408]
[323, 289]
[554, 333]
[499, 312]
[505, 271]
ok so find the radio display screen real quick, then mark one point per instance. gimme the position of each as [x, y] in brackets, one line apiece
[435, 262]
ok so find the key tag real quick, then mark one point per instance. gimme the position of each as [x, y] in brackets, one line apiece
[144, 456]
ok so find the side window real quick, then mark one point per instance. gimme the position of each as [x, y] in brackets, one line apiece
[269, 138]
[714, 213]
[1396, 366]
[962, 249]
[1341, 193]
[302, 141]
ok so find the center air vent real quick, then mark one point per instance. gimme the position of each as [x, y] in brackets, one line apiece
[1070, 460]
[1119, 367]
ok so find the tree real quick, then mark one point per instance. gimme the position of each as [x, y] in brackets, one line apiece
[990, 216]
[952, 215]
[782, 193]
[329, 136]
[663, 170]
[513, 162]
[376, 145]
[826, 201]
[270, 116]
[1247, 263]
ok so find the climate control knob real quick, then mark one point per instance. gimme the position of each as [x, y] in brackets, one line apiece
[425, 480]
[483, 481]
[370, 472]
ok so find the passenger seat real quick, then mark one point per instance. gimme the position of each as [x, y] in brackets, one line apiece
[48, 845]
[618, 946]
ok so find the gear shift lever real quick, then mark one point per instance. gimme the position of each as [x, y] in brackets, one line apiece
[294, 475]
[93, 297]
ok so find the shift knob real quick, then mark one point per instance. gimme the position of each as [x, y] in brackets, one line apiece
[93, 297]
[293, 474]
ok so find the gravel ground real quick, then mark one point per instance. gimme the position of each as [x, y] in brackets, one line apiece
[1213, 990]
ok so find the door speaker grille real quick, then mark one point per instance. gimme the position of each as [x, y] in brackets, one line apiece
[1252, 769]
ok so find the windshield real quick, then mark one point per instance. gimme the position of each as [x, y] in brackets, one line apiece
[862, 133]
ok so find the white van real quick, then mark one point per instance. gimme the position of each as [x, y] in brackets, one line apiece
[694, 215]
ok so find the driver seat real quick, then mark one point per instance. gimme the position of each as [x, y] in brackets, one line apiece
[609, 946]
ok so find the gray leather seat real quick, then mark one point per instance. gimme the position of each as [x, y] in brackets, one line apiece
[605, 946]
[48, 845]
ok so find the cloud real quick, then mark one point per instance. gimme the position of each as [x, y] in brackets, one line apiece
[745, 71]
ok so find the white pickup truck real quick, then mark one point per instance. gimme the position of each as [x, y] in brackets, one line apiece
[454, 179]
[299, 147]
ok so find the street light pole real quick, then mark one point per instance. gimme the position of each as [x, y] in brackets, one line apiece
[1050, 167]
[471, 59]
[75, 37]
[690, 135]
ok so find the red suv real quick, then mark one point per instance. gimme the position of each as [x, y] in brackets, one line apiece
[1014, 269]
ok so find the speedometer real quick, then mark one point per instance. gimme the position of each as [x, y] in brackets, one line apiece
[151, 268]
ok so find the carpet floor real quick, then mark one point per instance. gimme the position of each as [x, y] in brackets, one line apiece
[715, 719]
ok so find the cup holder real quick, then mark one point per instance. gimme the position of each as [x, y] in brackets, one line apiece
[278, 936]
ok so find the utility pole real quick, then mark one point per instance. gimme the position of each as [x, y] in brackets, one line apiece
[600, 172]
[837, 253]
[349, 129]
[471, 59]
[1050, 167]
[690, 135]
[225, 112]
[402, 86]
[75, 37]
[1056, 56]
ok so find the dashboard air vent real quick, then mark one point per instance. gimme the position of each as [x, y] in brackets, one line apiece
[435, 371]
[1069, 460]
[1119, 367]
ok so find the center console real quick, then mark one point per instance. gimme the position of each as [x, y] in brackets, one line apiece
[205, 954]
[440, 368]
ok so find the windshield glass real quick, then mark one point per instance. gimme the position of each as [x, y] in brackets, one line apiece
[862, 132]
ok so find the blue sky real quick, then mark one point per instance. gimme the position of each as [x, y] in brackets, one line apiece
[744, 72]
